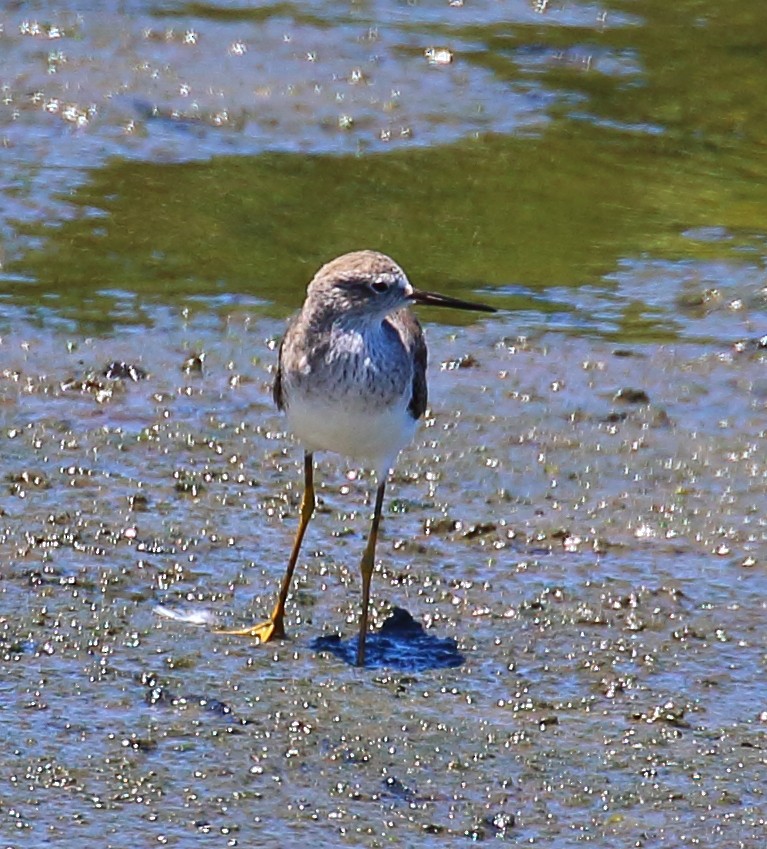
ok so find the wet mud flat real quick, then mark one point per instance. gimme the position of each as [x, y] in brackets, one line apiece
[584, 519]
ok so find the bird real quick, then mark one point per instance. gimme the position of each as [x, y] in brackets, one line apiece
[351, 379]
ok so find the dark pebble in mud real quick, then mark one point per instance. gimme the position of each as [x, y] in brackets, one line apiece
[464, 361]
[401, 643]
[124, 371]
[139, 744]
[139, 503]
[751, 345]
[159, 696]
[441, 525]
[188, 484]
[488, 829]
[193, 364]
[627, 352]
[499, 823]
[21, 481]
[398, 790]
[479, 529]
[614, 417]
[627, 395]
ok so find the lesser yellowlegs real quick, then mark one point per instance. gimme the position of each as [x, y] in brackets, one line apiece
[351, 378]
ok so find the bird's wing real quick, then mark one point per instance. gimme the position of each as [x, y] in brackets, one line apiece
[277, 395]
[420, 397]
[412, 336]
[278, 390]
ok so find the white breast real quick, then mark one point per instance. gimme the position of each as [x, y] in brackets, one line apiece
[373, 435]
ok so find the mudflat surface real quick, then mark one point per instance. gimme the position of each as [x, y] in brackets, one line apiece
[583, 520]
[579, 526]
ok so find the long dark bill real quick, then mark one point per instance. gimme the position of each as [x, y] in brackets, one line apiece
[432, 299]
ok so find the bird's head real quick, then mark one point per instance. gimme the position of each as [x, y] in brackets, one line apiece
[360, 284]
[370, 285]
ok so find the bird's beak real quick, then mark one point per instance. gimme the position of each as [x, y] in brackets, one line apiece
[434, 300]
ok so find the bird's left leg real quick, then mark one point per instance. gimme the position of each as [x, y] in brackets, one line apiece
[366, 569]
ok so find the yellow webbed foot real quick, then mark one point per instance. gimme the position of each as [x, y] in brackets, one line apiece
[272, 629]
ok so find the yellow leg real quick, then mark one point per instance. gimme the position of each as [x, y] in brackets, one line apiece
[366, 569]
[274, 627]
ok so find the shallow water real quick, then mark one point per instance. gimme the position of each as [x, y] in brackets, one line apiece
[599, 167]
[582, 511]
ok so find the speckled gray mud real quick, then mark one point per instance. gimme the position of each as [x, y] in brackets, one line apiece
[584, 518]
[598, 556]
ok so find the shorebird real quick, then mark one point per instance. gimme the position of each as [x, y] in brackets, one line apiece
[351, 378]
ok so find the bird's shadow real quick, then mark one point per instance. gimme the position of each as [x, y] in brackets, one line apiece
[401, 643]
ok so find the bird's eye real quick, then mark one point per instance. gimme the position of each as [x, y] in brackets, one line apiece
[380, 286]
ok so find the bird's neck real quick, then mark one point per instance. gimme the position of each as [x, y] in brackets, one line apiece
[349, 323]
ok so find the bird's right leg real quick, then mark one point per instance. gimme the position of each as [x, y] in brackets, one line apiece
[274, 627]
